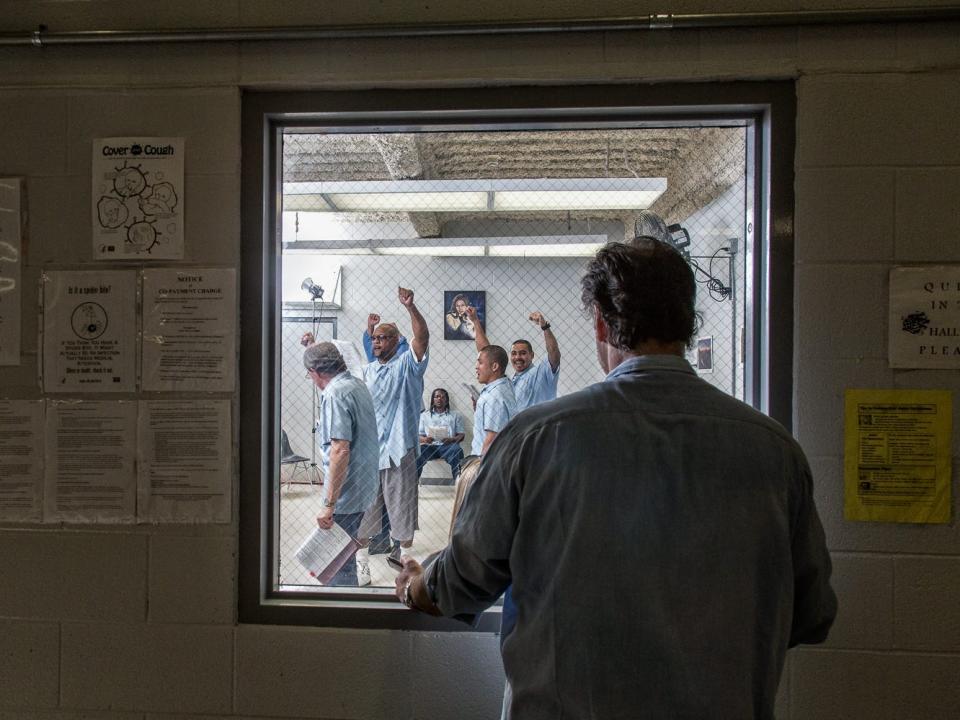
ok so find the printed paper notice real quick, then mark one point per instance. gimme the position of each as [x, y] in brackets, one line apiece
[897, 455]
[189, 329]
[184, 473]
[924, 327]
[138, 198]
[89, 475]
[11, 252]
[21, 476]
[89, 331]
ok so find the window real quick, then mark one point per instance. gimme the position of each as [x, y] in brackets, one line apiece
[488, 215]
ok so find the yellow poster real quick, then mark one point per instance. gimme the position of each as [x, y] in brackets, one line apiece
[897, 455]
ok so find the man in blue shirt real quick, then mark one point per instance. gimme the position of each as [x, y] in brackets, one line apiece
[496, 404]
[532, 382]
[441, 432]
[395, 381]
[659, 535]
[346, 430]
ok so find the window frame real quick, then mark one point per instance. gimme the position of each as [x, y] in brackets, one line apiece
[768, 107]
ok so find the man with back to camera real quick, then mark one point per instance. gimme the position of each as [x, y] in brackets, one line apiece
[660, 535]
[395, 381]
[532, 382]
[347, 434]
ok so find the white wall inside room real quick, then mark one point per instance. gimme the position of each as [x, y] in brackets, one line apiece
[711, 229]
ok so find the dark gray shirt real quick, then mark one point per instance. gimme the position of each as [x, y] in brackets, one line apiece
[662, 544]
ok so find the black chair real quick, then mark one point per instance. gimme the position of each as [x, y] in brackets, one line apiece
[298, 463]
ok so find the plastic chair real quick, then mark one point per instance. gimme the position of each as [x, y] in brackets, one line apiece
[298, 463]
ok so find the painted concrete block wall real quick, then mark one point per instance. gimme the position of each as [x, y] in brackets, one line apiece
[139, 623]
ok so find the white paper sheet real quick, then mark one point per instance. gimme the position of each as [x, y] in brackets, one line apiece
[137, 198]
[11, 253]
[89, 331]
[21, 469]
[189, 329]
[924, 329]
[89, 469]
[324, 552]
[185, 461]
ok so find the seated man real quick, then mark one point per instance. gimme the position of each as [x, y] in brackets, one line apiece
[441, 432]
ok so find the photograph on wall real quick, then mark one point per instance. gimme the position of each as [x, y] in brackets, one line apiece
[89, 331]
[189, 329]
[457, 323]
[705, 354]
[137, 198]
[10, 269]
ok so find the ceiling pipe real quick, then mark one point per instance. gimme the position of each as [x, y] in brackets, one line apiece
[41, 37]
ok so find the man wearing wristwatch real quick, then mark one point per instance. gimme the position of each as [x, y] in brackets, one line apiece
[347, 434]
[532, 382]
[660, 537]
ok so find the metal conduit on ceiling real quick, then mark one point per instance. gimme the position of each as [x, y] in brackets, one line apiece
[42, 37]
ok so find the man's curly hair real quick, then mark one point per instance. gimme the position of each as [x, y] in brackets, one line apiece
[644, 290]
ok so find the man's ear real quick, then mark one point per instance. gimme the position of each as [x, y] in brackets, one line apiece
[600, 329]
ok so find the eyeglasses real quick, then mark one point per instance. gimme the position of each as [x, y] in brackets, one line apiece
[382, 338]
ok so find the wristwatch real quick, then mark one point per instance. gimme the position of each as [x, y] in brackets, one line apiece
[328, 503]
[407, 598]
[545, 327]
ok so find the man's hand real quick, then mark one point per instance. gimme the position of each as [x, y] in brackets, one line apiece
[472, 312]
[325, 518]
[406, 297]
[307, 339]
[425, 439]
[538, 318]
[411, 571]
[372, 321]
[449, 440]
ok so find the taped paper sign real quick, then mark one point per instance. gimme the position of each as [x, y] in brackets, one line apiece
[897, 455]
[89, 331]
[11, 253]
[137, 198]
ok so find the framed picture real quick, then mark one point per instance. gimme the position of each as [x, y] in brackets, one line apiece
[456, 323]
[705, 354]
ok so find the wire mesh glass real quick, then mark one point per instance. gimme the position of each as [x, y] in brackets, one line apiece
[506, 221]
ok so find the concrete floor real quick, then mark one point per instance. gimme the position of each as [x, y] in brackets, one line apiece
[299, 504]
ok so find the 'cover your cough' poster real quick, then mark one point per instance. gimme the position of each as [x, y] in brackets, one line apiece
[137, 196]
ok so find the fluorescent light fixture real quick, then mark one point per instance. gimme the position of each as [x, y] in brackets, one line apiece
[565, 250]
[517, 195]
[434, 250]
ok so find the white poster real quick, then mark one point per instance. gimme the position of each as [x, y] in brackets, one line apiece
[924, 325]
[89, 469]
[189, 329]
[21, 469]
[11, 252]
[185, 465]
[137, 198]
[89, 331]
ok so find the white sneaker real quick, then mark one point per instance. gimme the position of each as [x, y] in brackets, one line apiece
[363, 573]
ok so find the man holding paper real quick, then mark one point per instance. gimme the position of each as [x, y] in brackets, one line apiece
[347, 433]
[441, 432]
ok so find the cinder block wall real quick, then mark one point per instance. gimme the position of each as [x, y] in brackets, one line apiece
[140, 622]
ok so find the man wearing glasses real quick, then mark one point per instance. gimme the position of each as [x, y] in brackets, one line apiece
[395, 380]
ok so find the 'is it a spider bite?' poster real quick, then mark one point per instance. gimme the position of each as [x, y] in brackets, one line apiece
[137, 198]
